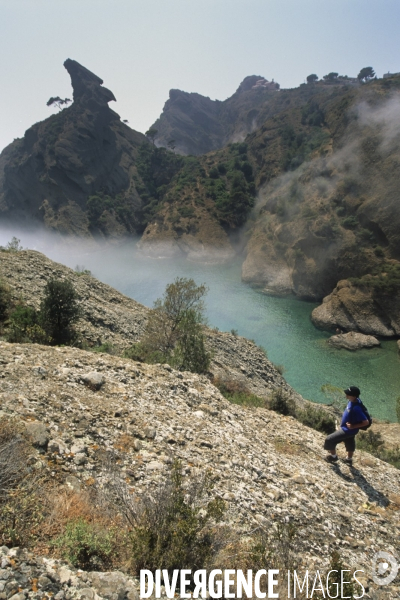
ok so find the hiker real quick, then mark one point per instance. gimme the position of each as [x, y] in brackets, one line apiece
[352, 420]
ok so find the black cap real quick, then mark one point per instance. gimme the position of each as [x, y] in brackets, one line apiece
[352, 390]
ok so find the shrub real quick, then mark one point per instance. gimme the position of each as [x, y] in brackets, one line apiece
[59, 310]
[86, 545]
[174, 333]
[398, 409]
[370, 441]
[280, 402]
[22, 318]
[13, 246]
[107, 348]
[237, 393]
[317, 418]
[373, 443]
[174, 527]
[5, 301]
[80, 270]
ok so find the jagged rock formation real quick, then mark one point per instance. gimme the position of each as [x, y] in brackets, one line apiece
[83, 151]
[355, 309]
[198, 124]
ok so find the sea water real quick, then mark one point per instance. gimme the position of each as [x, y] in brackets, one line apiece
[281, 325]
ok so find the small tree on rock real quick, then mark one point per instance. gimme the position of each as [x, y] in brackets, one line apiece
[174, 329]
[58, 102]
[151, 134]
[59, 309]
[366, 74]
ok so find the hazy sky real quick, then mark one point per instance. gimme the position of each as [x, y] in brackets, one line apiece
[143, 48]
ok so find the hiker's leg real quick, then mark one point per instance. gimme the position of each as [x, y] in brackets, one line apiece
[333, 439]
[350, 444]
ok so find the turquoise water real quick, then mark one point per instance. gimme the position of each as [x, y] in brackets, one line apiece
[281, 325]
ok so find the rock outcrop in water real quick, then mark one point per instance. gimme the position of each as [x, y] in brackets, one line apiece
[353, 341]
[358, 309]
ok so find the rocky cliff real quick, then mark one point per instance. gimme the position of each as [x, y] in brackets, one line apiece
[74, 171]
[195, 124]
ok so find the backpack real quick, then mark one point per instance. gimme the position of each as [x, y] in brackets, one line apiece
[366, 413]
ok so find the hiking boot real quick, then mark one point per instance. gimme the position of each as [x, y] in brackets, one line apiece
[331, 459]
[348, 461]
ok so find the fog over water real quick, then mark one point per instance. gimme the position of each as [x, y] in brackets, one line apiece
[281, 325]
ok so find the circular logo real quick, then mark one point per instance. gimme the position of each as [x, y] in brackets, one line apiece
[384, 568]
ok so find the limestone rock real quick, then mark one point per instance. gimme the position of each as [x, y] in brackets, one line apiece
[84, 150]
[93, 380]
[38, 433]
[353, 341]
[356, 309]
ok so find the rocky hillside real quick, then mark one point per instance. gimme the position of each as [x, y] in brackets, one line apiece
[266, 467]
[83, 409]
[111, 318]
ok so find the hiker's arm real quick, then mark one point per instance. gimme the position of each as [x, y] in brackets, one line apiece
[357, 425]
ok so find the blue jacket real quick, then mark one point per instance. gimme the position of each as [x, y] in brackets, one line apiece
[353, 414]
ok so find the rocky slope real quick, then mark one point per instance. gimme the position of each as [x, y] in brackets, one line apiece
[109, 317]
[74, 171]
[265, 466]
[81, 406]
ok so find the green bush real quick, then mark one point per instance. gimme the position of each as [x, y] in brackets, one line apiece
[237, 393]
[398, 409]
[174, 331]
[373, 443]
[317, 418]
[174, 528]
[281, 403]
[5, 300]
[370, 441]
[86, 545]
[59, 309]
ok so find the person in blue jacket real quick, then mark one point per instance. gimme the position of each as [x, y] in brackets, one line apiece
[353, 419]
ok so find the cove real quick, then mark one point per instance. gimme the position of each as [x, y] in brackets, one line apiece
[281, 325]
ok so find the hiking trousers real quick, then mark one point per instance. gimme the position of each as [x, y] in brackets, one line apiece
[349, 440]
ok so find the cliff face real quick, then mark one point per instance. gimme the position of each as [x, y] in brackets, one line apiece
[82, 152]
[352, 308]
[198, 124]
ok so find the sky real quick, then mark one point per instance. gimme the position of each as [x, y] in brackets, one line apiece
[144, 48]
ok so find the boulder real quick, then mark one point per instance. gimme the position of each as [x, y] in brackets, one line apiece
[93, 380]
[353, 341]
[38, 434]
[357, 309]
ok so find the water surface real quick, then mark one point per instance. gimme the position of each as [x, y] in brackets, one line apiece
[281, 325]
